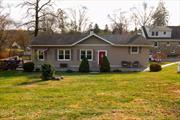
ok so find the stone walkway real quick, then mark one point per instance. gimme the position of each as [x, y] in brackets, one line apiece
[163, 66]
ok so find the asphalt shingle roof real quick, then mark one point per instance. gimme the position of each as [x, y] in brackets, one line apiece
[69, 39]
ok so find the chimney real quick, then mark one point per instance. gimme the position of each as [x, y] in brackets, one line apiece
[91, 32]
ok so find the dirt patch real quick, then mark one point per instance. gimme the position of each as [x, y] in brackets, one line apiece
[115, 115]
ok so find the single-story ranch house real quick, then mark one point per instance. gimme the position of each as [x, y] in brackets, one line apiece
[65, 52]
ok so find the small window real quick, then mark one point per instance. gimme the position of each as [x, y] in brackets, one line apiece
[64, 55]
[168, 44]
[155, 44]
[157, 33]
[164, 33]
[40, 54]
[152, 33]
[86, 54]
[134, 50]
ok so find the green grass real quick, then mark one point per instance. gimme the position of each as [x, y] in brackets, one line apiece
[144, 95]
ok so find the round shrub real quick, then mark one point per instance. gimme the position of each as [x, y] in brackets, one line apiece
[28, 67]
[48, 72]
[155, 67]
[105, 65]
[84, 66]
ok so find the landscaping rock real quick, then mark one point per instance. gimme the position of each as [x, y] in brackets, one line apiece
[57, 78]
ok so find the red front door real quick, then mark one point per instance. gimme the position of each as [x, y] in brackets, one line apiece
[101, 55]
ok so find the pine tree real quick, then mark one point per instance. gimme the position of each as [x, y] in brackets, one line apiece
[105, 65]
[106, 28]
[96, 29]
[84, 66]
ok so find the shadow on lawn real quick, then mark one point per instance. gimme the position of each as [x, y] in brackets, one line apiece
[30, 82]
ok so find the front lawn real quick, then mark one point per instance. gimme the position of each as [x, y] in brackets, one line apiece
[144, 95]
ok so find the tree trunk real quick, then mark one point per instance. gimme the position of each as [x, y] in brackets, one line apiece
[36, 19]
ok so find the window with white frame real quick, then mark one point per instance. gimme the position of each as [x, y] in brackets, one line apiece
[40, 55]
[134, 50]
[64, 54]
[86, 54]
[152, 33]
[155, 44]
[157, 33]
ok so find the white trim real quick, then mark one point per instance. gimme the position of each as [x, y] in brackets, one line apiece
[137, 52]
[63, 55]
[38, 54]
[86, 54]
[98, 54]
[92, 45]
[93, 34]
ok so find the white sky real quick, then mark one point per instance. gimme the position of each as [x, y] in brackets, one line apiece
[99, 9]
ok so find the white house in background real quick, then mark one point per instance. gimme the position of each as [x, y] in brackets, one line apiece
[165, 39]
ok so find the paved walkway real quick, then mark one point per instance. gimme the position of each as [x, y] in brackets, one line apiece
[163, 66]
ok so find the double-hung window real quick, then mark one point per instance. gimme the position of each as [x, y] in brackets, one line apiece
[40, 55]
[152, 34]
[86, 54]
[64, 54]
[157, 33]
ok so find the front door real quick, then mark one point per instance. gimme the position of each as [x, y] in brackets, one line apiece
[101, 55]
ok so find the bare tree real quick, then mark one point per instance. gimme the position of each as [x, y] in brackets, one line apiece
[120, 21]
[61, 21]
[47, 22]
[5, 22]
[143, 16]
[35, 10]
[161, 15]
[78, 19]
[21, 37]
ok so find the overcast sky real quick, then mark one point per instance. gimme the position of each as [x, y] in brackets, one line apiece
[99, 9]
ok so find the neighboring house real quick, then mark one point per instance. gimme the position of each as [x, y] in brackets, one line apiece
[65, 52]
[165, 39]
[16, 45]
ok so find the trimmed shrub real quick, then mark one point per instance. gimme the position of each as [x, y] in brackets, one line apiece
[28, 67]
[105, 65]
[155, 67]
[84, 66]
[48, 71]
